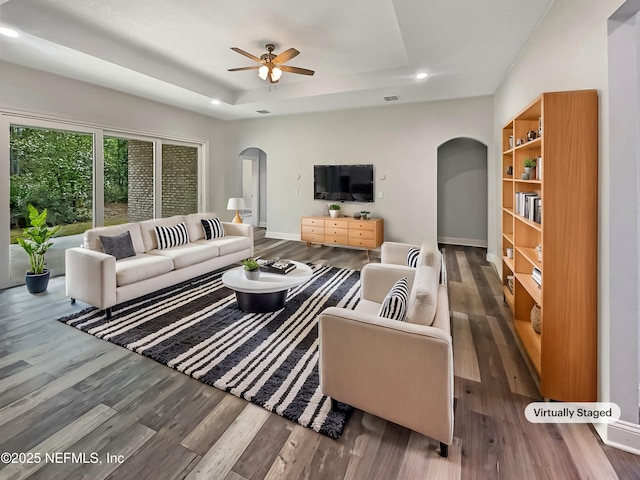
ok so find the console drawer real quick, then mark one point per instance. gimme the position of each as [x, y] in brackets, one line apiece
[336, 240]
[365, 234]
[363, 225]
[336, 232]
[336, 224]
[318, 222]
[311, 229]
[312, 238]
[361, 242]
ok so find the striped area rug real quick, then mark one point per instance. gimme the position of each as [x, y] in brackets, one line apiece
[268, 359]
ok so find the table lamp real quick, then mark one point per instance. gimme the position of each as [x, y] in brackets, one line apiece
[236, 204]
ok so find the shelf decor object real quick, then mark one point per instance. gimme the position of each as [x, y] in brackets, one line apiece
[557, 212]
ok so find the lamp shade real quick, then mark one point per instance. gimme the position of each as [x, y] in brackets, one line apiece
[236, 204]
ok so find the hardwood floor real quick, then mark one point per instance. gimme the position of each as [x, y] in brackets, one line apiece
[62, 390]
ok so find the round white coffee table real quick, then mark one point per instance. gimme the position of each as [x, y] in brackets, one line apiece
[269, 292]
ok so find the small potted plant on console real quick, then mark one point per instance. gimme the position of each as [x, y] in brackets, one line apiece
[251, 268]
[365, 214]
[334, 210]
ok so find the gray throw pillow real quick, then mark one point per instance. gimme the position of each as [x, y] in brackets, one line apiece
[120, 246]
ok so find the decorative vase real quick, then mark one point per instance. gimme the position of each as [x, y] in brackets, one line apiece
[37, 283]
[356, 216]
[536, 319]
[252, 274]
[334, 213]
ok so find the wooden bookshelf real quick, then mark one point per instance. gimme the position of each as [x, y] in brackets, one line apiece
[566, 134]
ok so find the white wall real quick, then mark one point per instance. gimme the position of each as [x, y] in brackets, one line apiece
[401, 141]
[568, 51]
[33, 91]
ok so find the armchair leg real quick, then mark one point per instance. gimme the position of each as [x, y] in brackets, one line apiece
[334, 404]
[73, 301]
[444, 450]
[108, 312]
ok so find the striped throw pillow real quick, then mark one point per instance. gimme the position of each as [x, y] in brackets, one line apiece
[172, 236]
[395, 303]
[212, 228]
[412, 257]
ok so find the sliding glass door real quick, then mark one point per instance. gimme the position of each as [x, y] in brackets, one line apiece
[57, 166]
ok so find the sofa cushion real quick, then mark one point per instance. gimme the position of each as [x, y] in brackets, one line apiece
[141, 267]
[228, 244]
[395, 303]
[92, 236]
[148, 230]
[186, 255]
[424, 296]
[212, 228]
[119, 246]
[194, 224]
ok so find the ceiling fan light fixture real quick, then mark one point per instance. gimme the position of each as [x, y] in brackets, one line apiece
[263, 71]
[422, 75]
[276, 73]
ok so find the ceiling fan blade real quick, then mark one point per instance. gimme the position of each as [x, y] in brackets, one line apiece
[255, 67]
[301, 71]
[286, 56]
[246, 54]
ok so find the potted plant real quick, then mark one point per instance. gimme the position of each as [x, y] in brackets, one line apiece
[529, 165]
[334, 210]
[365, 214]
[36, 240]
[251, 268]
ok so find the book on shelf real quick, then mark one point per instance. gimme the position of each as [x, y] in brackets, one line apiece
[536, 274]
[528, 205]
[277, 266]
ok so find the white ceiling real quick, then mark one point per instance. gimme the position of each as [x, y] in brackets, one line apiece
[362, 50]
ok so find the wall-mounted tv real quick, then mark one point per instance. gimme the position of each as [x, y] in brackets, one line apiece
[343, 183]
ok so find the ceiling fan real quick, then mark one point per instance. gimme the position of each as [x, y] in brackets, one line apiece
[271, 65]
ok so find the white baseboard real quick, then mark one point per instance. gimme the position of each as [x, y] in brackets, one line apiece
[468, 242]
[282, 236]
[496, 261]
[621, 435]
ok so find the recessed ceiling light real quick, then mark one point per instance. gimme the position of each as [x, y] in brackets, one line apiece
[8, 32]
[215, 101]
[421, 75]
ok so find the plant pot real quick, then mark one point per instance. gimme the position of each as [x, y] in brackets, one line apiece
[37, 283]
[529, 171]
[365, 216]
[334, 213]
[252, 274]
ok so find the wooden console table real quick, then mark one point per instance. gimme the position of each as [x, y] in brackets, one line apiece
[345, 231]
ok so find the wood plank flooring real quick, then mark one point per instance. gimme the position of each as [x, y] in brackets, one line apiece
[62, 390]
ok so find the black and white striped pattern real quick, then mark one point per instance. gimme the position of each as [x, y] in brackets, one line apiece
[395, 303]
[412, 257]
[269, 359]
[172, 236]
[212, 228]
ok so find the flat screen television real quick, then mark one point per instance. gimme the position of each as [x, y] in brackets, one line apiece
[343, 183]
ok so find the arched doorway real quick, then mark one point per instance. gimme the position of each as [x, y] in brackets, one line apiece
[462, 192]
[253, 168]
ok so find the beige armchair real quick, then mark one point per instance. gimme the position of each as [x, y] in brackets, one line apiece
[400, 371]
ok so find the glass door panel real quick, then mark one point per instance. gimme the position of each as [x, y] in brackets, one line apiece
[128, 180]
[52, 169]
[179, 180]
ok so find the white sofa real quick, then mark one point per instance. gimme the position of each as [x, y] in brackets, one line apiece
[398, 370]
[100, 280]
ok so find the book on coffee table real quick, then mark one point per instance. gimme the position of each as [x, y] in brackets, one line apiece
[277, 266]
